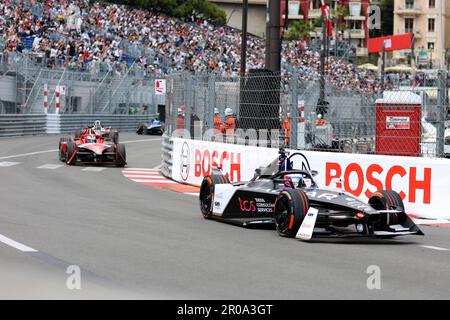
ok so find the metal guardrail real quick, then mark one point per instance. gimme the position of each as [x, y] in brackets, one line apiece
[22, 125]
[70, 123]
[166, 156]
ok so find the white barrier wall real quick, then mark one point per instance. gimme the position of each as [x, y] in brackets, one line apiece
[423, 183]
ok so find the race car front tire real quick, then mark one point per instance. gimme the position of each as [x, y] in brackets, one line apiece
[388, 200]
[290, 209]
[385, 200]
[70, 151]
[206, 195]
[62, 153]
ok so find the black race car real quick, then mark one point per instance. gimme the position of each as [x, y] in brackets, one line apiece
[290, 200]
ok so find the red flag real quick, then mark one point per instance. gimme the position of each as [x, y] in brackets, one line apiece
[327, 17]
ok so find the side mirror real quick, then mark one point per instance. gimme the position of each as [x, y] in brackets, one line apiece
[314, 173]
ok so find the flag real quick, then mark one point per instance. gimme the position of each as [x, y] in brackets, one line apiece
[326, 17]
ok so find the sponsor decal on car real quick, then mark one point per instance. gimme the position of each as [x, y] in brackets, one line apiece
[255, 205]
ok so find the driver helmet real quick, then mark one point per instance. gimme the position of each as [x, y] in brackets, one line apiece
[297, 180]
[91, 139]
[228, 112]
[97, 124]
[216, 111]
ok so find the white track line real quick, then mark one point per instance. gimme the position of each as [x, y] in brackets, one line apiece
[16, 245]
[8, 164]
[93, 169]
[28, 154]
[143, 140]
[50, 166]
[55, 150]
[430, 221]
[141, 169]
[153, 181]
[436, 248]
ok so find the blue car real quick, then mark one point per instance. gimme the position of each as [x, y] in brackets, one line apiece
[154, 126]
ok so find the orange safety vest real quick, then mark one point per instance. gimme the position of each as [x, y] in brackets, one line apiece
[217, 122]
[287, 130]
[228, 125]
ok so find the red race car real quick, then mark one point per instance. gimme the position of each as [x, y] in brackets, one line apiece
[107, 133]
[91, 147]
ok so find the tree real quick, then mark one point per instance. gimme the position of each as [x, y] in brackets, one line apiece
[299, 30]
[180, 8]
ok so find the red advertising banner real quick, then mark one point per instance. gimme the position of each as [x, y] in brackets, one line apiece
[397, 42]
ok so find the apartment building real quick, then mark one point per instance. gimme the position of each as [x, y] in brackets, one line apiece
[431, 34]
[355, 23]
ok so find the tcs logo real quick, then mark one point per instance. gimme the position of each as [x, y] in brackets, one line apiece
[372, 177]
[247, 205]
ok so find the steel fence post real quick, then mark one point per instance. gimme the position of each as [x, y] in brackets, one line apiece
[442, 102]
[211, 101]
[294, 111]
[188, 102]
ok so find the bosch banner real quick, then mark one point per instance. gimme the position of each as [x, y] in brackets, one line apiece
[391, 43]
[421, 183]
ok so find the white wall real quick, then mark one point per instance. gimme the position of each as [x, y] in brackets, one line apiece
[423, 183]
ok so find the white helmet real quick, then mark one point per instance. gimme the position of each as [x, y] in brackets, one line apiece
[91, 139]
[97, 124]
[228, 112]
[216, 111]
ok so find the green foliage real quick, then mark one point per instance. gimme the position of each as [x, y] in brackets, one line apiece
[180, 8]
[298, 30]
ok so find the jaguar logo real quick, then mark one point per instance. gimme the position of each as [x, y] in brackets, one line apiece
[184, 166]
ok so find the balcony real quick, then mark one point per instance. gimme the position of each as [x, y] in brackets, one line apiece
[361, 52]
[293, 16]
[314, 13]
[354, 18]
[355, 33]
[408, 10]
[417, 33]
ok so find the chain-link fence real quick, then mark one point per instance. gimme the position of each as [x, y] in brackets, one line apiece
[266, 109]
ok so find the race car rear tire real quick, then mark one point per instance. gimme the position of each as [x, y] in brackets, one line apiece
[206, 194]
[121, 155]
[114, 135]
[385, 200]
[71, 149]
[290, 209]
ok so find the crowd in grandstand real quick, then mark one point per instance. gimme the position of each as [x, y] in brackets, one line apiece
[73, 34]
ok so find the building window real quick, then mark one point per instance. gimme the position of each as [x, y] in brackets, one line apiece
[409, 25]
[431, 3]
[430, 45]
[409, 4]
[431, 24]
